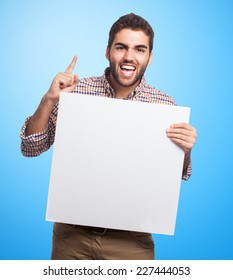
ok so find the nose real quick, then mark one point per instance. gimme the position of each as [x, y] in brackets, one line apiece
[129, 55]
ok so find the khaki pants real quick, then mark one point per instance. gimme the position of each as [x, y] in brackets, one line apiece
[72, 242]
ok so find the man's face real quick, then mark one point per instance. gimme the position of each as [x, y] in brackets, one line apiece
[129, 56]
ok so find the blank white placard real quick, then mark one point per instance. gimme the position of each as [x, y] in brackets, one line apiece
[113, 165]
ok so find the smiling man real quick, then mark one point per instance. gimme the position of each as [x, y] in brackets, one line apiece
[128, 55]
[129, 52]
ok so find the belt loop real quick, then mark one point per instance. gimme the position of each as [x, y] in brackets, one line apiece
[100, 233]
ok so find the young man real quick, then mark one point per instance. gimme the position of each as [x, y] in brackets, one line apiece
[129, 52]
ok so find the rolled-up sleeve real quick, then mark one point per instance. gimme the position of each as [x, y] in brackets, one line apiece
[35, 144]
[187, 173]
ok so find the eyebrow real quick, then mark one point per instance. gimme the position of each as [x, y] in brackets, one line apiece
[125, 46]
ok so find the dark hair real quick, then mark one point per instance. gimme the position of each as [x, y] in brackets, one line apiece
[133, 22]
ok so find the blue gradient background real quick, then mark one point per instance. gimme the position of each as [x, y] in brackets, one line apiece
[192, 62]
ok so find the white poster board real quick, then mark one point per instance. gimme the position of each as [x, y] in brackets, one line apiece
[113, 165]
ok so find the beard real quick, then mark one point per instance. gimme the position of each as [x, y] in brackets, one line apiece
[136, 79]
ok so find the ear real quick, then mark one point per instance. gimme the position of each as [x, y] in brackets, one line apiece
[107, 53]
[150, 59]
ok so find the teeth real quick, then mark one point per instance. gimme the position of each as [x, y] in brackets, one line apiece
[128, 67]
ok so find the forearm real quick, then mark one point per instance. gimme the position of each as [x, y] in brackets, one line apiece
[39, 121]
[187, 166]
[187, 160]
[38, 131]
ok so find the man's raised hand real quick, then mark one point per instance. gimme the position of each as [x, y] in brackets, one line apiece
[64, 81]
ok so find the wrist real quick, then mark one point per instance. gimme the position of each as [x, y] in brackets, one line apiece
[48, 101]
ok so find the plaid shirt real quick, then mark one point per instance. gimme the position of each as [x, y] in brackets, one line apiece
[35, 144]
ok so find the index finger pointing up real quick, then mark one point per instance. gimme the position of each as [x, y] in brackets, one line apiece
[70, 68]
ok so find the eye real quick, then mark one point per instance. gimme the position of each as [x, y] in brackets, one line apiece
[141, 50]
[120, 48]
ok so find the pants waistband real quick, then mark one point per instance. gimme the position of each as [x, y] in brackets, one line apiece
[95, 230]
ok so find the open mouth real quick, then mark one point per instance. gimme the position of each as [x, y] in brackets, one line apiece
[128, 68]
[127, 71]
